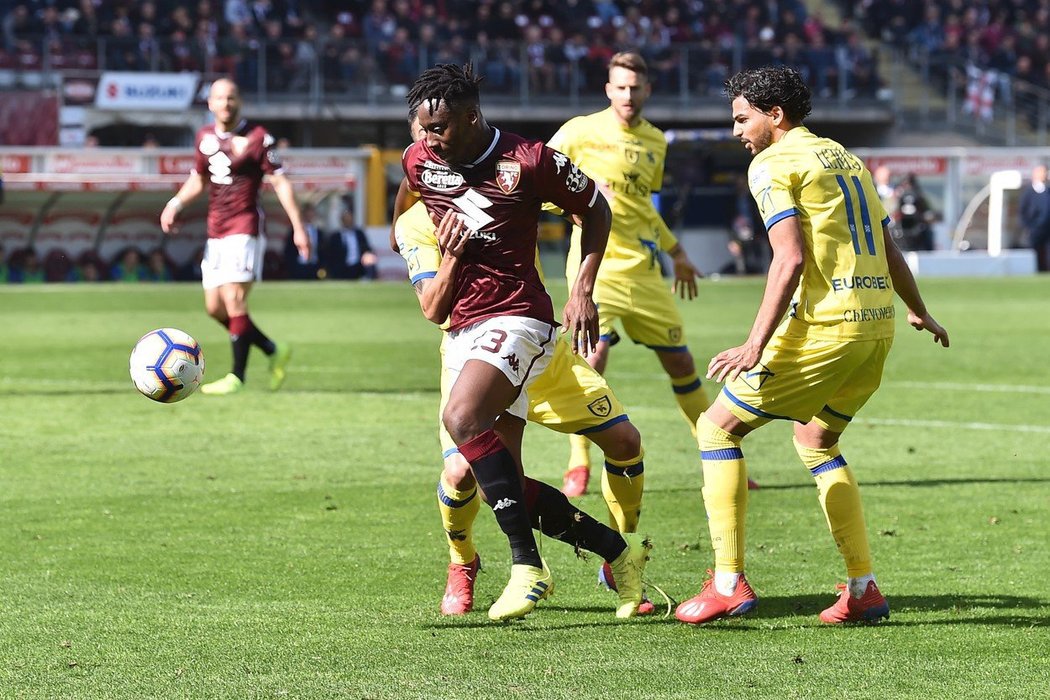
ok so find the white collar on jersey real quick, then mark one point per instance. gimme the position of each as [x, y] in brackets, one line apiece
[488, 151]
[223, 134]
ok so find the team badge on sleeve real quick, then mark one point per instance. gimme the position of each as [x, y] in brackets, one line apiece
[508, 175]
[576, 181]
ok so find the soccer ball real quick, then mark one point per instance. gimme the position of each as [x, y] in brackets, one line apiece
[167, 365]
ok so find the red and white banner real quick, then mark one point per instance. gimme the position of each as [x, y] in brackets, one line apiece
[919, 165]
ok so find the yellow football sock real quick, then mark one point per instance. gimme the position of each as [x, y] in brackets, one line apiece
[840, 498]
[622, 485]
[579, 451]
[458, 511]
[691, 397]
[725, 493]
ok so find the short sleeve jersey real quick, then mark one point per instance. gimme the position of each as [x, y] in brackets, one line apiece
[499, 196]
[630, 161]
[845, 292]
[234, 164]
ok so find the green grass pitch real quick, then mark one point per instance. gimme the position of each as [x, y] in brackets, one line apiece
[287, 545]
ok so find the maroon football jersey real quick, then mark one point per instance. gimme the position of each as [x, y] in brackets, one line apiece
[234, 164]
[500, 195]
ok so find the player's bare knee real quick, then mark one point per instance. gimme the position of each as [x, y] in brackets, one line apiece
[622, 442]
[677, 364]
[461, 423]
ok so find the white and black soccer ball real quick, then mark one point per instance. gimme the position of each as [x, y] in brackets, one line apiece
[167, 365]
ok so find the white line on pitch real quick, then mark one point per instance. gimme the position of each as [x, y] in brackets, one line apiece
[954, 425]
[964, 386]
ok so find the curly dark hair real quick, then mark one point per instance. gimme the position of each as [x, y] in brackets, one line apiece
[772, 86]
[457, 86]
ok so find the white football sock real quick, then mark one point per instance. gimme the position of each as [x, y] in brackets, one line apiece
[725, 582]
[857, 586]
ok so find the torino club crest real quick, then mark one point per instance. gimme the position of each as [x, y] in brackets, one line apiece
[508, 175]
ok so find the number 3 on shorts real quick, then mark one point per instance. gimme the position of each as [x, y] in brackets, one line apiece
[496, 338]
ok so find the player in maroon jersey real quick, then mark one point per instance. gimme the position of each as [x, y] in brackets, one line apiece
[231, 157]
[486, 188]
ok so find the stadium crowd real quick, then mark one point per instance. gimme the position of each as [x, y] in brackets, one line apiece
[285, 45]
[1008, 36]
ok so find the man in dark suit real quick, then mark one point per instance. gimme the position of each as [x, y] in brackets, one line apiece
[350, 256]
[1035, 217]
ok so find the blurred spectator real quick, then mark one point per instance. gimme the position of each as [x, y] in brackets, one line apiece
[914, 216]
[25, 267]
[158, 267]
[4, 273]
[89, 268]
[1035, 217]
[349, 255]
[129, 267]
[300, 268]
[746, 246]
[884, 186]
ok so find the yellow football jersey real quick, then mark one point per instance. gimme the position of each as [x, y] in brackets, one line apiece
[845, 291]
[629, 162]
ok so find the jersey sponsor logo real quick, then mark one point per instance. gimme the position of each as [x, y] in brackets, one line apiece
[881, 313]
[473, 204]
[600, 407]
[219, 167]
[576, 181]
[757, 376]
[508, 175]
[441, 180]
[504, 503]
[865, 282]
[209, 145]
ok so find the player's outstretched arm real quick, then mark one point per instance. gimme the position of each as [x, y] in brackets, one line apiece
[282, 187]
[581, 315]
[189, 191]
[435, 294]
[904, 284]
[785, 238]
[685, 273]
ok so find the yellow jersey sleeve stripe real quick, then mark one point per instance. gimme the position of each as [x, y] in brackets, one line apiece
[780, 216]
[423, 276]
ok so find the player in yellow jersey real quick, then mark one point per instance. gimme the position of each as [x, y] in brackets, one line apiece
[834, 270]
[624, 153]
[568, 397]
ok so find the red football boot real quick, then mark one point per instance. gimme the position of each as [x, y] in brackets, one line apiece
[576, 480]
[459, 591]
[709, 604]
[870, 607]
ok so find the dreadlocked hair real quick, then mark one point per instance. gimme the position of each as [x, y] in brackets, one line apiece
[446, 82]
[772, 86]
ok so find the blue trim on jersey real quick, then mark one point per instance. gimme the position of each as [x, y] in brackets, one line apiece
[667, 348]
[751, 409]
[632, 471]
[691, 386]
[836, 463]
[849, 213]
[865, 217]
[451, 502]
[780, 216]
[422, 276]
[723, 454]
[449, 452]
[886, 221]
[606, 337]
[607, 424]
[835, 413]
